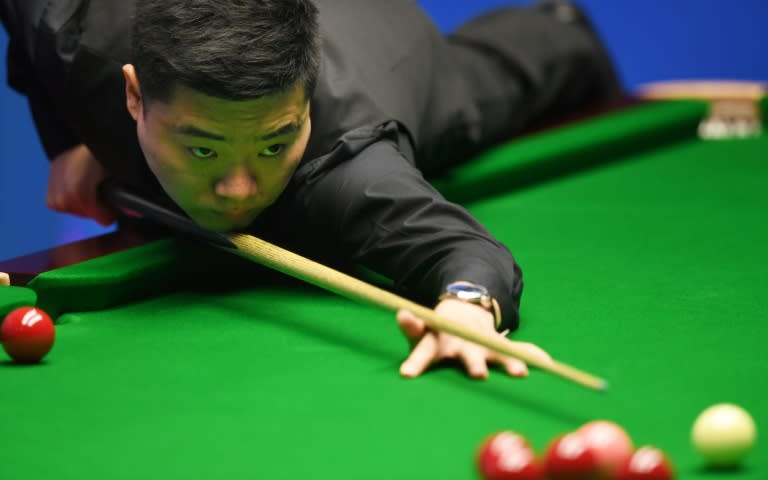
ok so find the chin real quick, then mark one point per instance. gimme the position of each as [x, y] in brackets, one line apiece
[218, 228]
[214, 224]
[223, 225]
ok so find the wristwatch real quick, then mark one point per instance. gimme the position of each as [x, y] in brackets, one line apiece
[472, 293]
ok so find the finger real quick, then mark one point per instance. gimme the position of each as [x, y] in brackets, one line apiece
[65, 202]
[76, 206]
[421, 357]
[103, 215]
[513, 366]
[52, 201]
[474, 360]
[93, 205]
[413, 328]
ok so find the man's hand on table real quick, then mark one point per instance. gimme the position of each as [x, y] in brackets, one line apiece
[429, 347]
[73, 184]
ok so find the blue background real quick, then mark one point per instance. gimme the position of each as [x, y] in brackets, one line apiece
[649, 39]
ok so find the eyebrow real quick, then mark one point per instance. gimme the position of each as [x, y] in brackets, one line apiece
[287, 129]
[192, 131]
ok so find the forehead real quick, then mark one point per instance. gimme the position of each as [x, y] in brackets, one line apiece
[190, 106]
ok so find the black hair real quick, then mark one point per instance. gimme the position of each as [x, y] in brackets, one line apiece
[229, 49]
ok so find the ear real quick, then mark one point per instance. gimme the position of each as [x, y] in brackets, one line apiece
[132, 91]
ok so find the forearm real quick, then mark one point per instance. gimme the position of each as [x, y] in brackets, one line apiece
[501, 275]
[379, 211]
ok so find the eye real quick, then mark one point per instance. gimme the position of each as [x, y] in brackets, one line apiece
[273, 150]
[202, 153]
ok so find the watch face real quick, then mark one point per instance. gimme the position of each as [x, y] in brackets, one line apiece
[477, 294]
[467, 292]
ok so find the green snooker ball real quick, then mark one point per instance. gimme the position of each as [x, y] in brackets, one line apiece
[723, 434]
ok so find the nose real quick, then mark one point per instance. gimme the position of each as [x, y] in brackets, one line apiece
[239, 184]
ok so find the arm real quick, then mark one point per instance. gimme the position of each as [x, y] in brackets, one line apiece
[379, 211]
[75, 174]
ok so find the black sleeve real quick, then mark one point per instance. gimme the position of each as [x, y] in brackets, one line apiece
[55, 135]
[378, 209]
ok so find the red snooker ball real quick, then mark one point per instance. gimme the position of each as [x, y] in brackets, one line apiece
[27, 334]
[647, 463]
[609, 442]
[508, 456]
[568, 457]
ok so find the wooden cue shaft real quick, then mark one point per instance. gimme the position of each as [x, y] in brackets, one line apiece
[282, 260]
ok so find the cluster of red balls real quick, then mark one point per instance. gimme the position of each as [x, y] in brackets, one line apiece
[599, 450]
[27, 334]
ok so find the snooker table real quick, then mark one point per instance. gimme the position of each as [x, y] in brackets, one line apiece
[644, 257]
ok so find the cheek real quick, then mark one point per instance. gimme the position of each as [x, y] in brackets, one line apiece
[161, 158]
[148, 146]
[171, 170]
[294, 155]
[288, 165]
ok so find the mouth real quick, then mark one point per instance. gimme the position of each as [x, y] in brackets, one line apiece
[236, 214]
[234, 209]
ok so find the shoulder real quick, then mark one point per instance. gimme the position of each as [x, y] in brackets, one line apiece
[378, 66]
[46, 36]
[367, 149]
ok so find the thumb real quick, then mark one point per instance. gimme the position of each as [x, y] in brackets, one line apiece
[103, 215]
[411, 327]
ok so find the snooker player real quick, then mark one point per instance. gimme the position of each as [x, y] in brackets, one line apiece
[311, 124]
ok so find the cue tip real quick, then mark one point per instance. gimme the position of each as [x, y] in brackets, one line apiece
[5, 279]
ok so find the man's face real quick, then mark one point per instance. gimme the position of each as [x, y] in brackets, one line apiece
[223, 162]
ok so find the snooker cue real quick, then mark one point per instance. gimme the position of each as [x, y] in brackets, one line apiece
[302, 268]
[277, 258]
